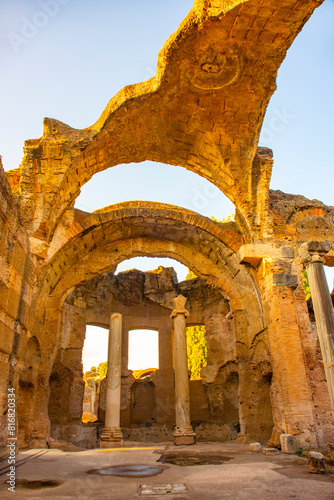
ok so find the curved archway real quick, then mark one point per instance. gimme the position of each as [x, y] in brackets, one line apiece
[88, 245]
[157, 182]
[96, 243]
[173, 119]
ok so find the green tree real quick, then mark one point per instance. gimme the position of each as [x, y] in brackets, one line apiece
[306, 285]
[191, 275]
[102, 369]
[229, 218]
[196, 344]
[196, 350]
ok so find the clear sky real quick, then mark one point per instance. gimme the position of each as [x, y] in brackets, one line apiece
[65, 59]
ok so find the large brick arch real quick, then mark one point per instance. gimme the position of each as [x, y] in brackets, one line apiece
[98, 242]
[203, 111]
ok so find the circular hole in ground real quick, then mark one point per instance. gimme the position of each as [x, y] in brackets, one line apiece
[130, 470]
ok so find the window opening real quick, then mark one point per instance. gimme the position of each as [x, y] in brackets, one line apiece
[143, 350]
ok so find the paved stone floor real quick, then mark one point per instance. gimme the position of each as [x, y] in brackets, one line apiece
[246, 475]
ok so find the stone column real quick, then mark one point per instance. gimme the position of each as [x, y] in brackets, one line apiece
[112, 431]
[312, 254]
[184, 433]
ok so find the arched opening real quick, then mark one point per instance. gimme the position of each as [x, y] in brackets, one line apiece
[144, 229]
[155, 182]
[218, 137]
[106, 239]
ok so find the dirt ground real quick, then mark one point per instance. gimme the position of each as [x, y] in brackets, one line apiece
[242, 475]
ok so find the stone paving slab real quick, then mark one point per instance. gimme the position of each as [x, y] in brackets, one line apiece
[247, 475]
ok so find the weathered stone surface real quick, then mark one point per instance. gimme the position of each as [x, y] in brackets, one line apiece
[63, 445]
[203, 111]
[255, 447]
[289, 443]
[270, 451]
[315, 464]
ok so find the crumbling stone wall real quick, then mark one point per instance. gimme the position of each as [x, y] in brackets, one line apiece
[264, 382]
[218, 402]
[16, 284]
[145, 301]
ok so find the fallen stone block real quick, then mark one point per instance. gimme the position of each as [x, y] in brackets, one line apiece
[316, 463]
[255, 446]
[289, 443]
[270, 451]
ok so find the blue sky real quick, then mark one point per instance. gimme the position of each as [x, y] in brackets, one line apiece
[65, 59]
[88, 50]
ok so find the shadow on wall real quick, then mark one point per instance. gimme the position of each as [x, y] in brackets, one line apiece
[27, 390]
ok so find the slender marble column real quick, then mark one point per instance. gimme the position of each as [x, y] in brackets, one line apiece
[184, 433]
[312, 254]
[112, 431]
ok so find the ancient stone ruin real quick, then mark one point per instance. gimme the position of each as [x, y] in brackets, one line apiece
[270, 364]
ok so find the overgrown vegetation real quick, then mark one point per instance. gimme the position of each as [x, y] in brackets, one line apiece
[229, 218]
[196, 350]
[97, 373]
[196, 344]
[191, 275]
[306, 285]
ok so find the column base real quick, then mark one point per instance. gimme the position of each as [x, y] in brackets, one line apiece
[111, 437]
[184, 436]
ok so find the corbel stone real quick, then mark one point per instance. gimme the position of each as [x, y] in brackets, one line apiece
[253, 253]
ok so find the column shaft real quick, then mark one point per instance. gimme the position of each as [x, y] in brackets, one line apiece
[112, 431]
[324, 316]
[184, 433]
[182, 400]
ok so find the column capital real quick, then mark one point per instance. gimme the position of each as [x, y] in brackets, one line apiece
[179, 304]
[115, 315]
[314, 251]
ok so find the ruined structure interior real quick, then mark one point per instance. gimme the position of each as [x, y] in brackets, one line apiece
[269, 362]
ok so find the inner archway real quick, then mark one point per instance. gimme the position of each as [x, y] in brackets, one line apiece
[118, 233]
[154, 181]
